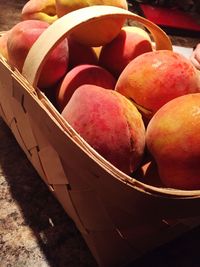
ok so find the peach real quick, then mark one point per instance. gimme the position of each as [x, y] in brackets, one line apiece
[110, 123]
[44, 10]
[21, 38]
[80, 54]
[173, 139]
[154, 78]
[129, 43]
[79, 75]
[3, 44]
[96, 33]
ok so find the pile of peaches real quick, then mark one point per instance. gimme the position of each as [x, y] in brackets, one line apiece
[134, 105]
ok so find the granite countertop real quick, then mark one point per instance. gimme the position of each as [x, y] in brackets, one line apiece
[34, 229]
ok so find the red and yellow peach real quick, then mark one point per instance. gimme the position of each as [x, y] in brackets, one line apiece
[173, 139]
[21, 38]
[44, 10]
[79, 75]
[154, 78]
[129, 43]
[98, 32]
[110, 123]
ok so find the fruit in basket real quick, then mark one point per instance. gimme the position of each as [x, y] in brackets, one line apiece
[173, 139]
[44, 10]
[98, 32]
[110, 123]
[21, 38]
[65, 6]
[80, 54]
[129, 43]
[154, 78]
[79, 75]
[3, 44]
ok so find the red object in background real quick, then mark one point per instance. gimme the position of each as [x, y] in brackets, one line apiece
[169, 17]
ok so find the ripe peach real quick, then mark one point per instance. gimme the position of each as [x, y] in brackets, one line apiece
[21, 38]
[65, 6]
[79, 75]
[44, 10]
[129, 43]
[110, 123]
[154, 78]
[96, 33]
[173, 139]
[80, 54]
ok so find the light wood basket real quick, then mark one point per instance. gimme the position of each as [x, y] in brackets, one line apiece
[119, 217]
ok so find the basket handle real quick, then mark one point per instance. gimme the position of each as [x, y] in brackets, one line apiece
[57, 31]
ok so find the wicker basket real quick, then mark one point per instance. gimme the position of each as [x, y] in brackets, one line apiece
[119, 217]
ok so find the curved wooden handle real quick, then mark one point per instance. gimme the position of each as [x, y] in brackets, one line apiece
[68, 23]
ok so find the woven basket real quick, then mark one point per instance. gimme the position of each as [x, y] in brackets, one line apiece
[119, 217]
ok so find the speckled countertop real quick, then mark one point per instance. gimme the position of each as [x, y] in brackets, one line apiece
[34, 229]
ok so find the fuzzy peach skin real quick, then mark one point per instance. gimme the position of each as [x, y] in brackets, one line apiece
[79, 75]
[65, 6]
[110, 123]
[99, 32]
[44, 10]
[154, 78]
[3, 44]
[21, 38]
[129, 43]
[80, 54]
[173, 139]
